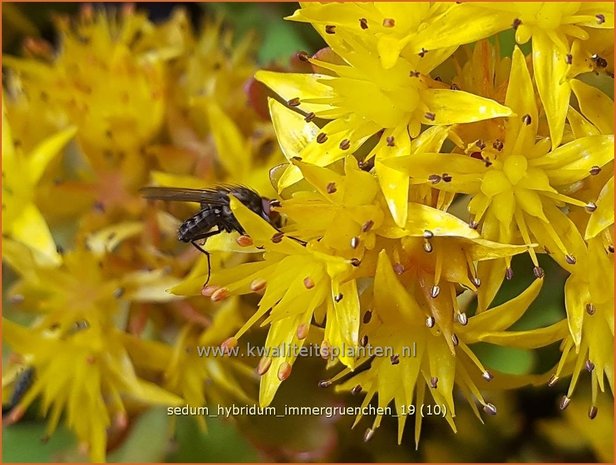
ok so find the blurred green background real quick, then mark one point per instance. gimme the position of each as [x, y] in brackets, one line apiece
[519, 433]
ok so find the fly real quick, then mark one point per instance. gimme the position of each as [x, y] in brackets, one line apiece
[215, 215]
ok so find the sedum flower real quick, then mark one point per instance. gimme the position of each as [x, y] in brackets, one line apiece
[102, 80]
[351, 78]
[430, 368]
[515, 185]
[290, 274]
[553, 28]
[85, 374]
[21, 173]
[589, 290]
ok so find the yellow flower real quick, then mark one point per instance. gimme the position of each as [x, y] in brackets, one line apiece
[21, 174]
[85, 374]
[422, 364]
[102, 80]
[200, 379]
[552, 26]
[518, 185]
[354, 78]
[290, 274]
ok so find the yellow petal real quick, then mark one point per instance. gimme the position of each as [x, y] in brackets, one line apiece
[503, 316]
[521, 99]
[603, 217]
[46, 151]
[31, 229]
[572, 162]
[304, 86]
[529, 339]
[261, 231]
[292, 131]
[107, 239]
[576, 298]
[595, 105]
[550, 68]
[455, 106]
[233, 152]
[422, 218]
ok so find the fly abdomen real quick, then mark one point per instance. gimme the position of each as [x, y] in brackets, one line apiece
[198, 224]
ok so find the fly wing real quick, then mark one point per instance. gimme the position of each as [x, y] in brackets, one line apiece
[214, 196]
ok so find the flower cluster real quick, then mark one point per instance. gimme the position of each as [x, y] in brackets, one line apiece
[398, 123]
[409, 163]
[120, 104]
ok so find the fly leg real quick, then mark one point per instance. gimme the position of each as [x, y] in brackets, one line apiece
[205, 252]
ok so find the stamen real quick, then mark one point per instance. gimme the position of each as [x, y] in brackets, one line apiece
[455, 340]
[564, 402]
[570, 259]
[321, 138]
[430, 321]
[462, 318]
[553, 380]
[589, 366]
[363, 23]
[490, 409]
[220, 294]
[355, 262]
[595, 170]
[395, 359]
[509, 273]
[590, 309]
[228, 345]
[294, 102]
[264, 365]
[330, 29]
[331, 188]
[447, 177]
[435, 292]
[389, 22]
[308, 282]
[414, 74]
[600, 18]
[429, 115]
[338, 298]
[427, 246]
[207, 291]
[526, 119]
[368, 434]
[258, 285]
[302, 331]
[423, 52]
[390, 141]
[302, 56]
[354, 242]
[345, 144]
[434, 178]
[284, 371]
[399, 268]
[276, 238]
[487, 376]
[592, 412]
[591, 207]
[473, 224]
[367, 226]
[434, 382]
[356, 390]
[569, 58]
[538, 272]
[324, 383]
[498, 144]
[244, 241]
[516, 23]
[364, 340]
[367, 317]
[309, 117]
